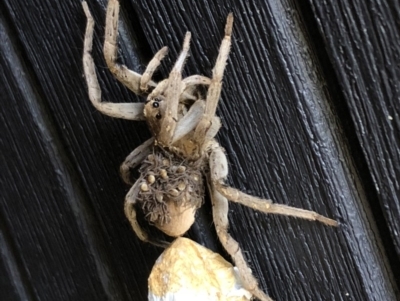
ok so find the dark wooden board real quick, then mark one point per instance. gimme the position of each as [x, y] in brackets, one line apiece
[362, 36]
[48, 243]
[284, 132]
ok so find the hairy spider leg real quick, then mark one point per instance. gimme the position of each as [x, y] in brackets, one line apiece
[171, 89]
[131, 111]
[219, 172]
[151, 68]
[214, 90]
[220, 193]
[131, 79]
[220, 218]
[134, 81]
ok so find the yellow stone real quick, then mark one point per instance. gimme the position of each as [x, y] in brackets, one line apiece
[187, 271]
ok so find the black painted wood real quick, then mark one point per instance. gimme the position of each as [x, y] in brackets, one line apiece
[361, 35]
[292, 131]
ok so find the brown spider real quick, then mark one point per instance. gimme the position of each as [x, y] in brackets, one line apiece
[182, 150]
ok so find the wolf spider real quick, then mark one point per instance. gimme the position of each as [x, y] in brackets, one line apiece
[183, 149]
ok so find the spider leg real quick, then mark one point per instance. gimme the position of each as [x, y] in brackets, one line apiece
[214, 91]
[130, 213]
[151, 68]
[127, 77]
[190, 84]
[131, 111]
[172, 89]
[219, 171]
[134, 159]
[220, 217]
[194, 80]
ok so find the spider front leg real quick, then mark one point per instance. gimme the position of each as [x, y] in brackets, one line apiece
[214, 90]
[132, 80]
[131, 111]
[162, 104]
[219, 171]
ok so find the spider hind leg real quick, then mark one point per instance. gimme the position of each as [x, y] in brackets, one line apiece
[220, 217]
[219, 171]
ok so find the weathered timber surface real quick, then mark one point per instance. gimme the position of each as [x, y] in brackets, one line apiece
[310, 108]
[361, 44]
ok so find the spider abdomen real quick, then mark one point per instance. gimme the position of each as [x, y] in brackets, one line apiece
[171, 190]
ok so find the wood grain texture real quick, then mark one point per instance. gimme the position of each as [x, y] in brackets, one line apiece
[360, 38]
[283, 132]
[43, 208]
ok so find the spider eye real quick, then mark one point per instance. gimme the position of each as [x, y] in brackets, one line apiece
[156, 104]
[157, 99]
[158, 116]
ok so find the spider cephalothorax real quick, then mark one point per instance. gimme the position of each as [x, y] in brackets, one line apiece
[183, 150]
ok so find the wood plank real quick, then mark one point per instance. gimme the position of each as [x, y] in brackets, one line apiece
[285, 141]
[282, 135]
[55, 240]
[13, 285]
[361, 38]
